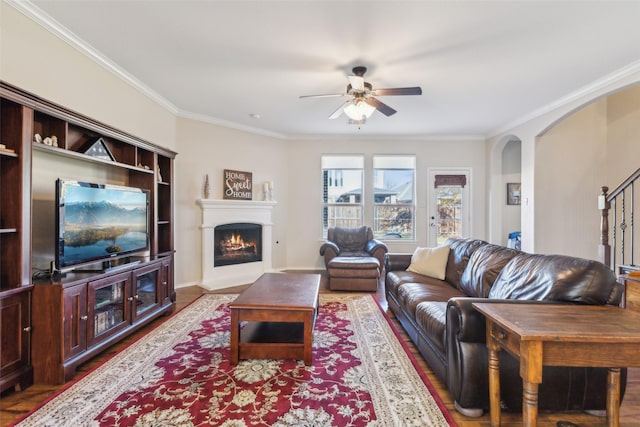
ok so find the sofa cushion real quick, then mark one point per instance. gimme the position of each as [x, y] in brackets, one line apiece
[485, 264]
[431, 262]
[396, 278]
[557, 278]
[434, 290]
[461, 250]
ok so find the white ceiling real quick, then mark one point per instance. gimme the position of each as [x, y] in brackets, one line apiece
[482, 65]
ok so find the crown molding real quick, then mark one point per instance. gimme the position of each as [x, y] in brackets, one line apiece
[595, 89]
[227, 124]
[63, 33]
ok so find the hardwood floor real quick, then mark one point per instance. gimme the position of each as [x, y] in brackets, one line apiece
[14, 405]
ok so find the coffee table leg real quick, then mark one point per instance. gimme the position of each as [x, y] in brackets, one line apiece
[307, 339]
[613, 397]
[235, 337]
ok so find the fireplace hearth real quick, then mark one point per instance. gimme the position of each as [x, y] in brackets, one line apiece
[237, 243]
[228, 214]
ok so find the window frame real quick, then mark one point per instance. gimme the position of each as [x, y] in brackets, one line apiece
[376, 206]
[340, 163]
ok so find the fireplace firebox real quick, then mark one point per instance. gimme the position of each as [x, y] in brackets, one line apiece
[237, 243]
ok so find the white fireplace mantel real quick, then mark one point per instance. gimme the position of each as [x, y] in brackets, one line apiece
[222, 212]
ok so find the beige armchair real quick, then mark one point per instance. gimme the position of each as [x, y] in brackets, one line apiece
[353, 258]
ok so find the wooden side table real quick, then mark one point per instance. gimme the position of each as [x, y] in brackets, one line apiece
[559, 335]
[631, 285]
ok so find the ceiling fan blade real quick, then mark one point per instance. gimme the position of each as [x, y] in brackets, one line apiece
[380, 106]
[398, 91]
[329, 95]
[338, 112]
[357, 82]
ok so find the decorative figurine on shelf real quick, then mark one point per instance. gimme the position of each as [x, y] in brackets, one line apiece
[158, 174]
[37, 138]
[268, 190]
[206, 186]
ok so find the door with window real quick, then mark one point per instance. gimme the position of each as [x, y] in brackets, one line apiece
[449, 213]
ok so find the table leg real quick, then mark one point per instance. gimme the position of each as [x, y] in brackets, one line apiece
[307, 340]
[531, 373]
[235, 337]
[613, 397]
[529, 403]
[494, 385]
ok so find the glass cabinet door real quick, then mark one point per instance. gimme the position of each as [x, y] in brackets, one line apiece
[107, 306]
[146, 289]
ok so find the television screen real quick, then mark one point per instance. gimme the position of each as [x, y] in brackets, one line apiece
[99, 222]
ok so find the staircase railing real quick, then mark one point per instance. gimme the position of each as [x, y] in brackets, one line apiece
[618, 207]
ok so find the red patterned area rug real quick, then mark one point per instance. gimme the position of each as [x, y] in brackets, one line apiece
[179, 375]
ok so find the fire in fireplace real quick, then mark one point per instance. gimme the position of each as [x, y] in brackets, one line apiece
[237, 244]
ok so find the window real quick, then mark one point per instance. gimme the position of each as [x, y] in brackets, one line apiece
[342, 178]
[394, 197]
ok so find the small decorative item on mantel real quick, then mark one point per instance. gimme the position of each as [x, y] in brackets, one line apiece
[268, 191]
[238, 185]
[206, 186]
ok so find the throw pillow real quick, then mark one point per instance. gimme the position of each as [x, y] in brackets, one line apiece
[430, 262]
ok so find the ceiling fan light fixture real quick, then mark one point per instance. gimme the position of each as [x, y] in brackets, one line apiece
[359, 110]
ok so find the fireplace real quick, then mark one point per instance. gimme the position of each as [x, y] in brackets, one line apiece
[237, 243]
[221, 220]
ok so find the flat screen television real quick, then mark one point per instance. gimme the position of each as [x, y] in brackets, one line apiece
[99, 222]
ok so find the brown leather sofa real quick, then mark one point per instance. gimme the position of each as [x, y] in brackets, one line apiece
[353, 258]
[450, 334]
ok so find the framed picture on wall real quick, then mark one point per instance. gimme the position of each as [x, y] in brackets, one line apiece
[513, 193]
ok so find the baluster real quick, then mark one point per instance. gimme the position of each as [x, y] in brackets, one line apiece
[605, 249]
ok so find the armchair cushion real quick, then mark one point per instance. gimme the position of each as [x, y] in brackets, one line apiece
[351, 239]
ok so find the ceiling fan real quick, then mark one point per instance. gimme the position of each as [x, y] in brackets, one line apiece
[362, 102]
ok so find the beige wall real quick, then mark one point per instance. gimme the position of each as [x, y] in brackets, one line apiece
[623, 135]
[34, 59]
[568, 153]
[511, 165]
[571, 155]
[305, 227]
[209, 149]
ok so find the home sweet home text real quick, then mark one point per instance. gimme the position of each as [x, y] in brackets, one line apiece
[237, 185]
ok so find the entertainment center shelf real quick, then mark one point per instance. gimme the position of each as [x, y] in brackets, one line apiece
[49, 326]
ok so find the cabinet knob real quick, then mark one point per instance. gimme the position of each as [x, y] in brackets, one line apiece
[27, 329]
[502, 335]
[85, 317]
[130, 299]
[136, 296]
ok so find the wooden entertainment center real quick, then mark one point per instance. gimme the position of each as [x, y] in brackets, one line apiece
[51, 325]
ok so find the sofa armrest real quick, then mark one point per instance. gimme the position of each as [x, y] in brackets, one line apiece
[396, 261]
[376, 249]
[465, 323]
[329, 250]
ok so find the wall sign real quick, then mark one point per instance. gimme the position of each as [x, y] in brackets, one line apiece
[237, 185]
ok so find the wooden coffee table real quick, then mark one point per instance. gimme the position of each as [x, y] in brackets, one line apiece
[281, 311]
[559, 335]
